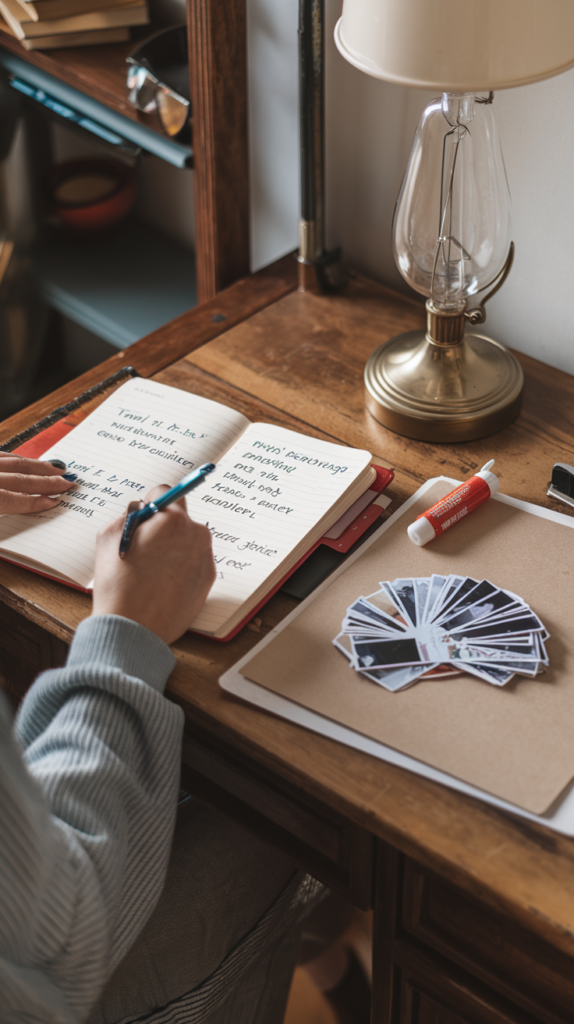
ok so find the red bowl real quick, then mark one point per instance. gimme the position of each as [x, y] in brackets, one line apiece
[91, 195]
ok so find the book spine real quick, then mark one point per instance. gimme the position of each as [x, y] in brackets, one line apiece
[48, 10]
[110, 35]
[13, 24]
[27, 9]
[136, 14]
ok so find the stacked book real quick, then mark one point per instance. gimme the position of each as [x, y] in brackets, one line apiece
[51, 24]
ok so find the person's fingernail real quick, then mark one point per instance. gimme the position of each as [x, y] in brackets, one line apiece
[70, 477]
[58, 464]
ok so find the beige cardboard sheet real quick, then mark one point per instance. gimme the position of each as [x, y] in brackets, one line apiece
[517, 741]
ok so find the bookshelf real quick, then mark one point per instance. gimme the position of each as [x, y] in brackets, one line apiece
[218, 87]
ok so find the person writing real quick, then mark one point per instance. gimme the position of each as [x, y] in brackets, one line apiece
[89, 782]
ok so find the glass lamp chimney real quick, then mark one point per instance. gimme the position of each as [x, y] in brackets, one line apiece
[452, 223]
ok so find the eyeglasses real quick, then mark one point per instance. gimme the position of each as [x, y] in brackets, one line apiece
[158, 78]
[147, 93]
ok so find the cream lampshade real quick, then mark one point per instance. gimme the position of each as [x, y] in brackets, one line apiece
[451, 231]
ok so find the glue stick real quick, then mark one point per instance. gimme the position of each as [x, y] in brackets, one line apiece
[454, 506]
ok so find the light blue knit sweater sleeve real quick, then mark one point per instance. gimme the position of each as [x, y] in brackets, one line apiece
[88, 795]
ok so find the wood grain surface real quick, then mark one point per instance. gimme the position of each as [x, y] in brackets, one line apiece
[299, 362]
[306, 355]
[218, 71]
[535, 975]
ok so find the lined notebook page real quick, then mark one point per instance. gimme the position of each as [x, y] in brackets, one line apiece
[144, 434]
[266, 494]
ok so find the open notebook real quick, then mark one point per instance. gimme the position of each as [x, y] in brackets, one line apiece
[272, 497]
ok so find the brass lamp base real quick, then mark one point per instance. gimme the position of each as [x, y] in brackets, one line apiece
[443, 392]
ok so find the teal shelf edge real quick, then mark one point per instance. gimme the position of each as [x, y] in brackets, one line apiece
[173, 152]
[120, 287]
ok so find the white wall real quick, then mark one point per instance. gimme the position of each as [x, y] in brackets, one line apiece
[274, 128]
[370, 126]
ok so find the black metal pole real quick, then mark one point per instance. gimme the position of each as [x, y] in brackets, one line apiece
[311, 126]
[316, 266]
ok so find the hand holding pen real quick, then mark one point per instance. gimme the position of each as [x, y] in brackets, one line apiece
[135, 518]
[164, 581]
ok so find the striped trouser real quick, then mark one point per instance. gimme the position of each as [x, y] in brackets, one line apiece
[221, 944]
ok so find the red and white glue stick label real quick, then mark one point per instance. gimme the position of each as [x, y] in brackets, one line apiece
[450, 509]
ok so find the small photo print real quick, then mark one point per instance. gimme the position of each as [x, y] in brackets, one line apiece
[384, 653]
[436, 584]
[381, 601]
[404, 593]
[364, 609]
[434, 627]
[389, 678]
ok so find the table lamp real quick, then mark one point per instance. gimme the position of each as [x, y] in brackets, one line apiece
[452, 227]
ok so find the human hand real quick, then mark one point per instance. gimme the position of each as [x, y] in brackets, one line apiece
[166, 575]
[27, 485]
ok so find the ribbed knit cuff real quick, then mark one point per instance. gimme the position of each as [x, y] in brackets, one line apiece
[110, 641]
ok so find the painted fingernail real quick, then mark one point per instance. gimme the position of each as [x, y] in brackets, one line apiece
[58, 464]
[70, 477]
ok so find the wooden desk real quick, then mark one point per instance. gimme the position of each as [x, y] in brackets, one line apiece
[474, 909]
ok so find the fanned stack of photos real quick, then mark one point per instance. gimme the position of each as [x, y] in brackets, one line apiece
[442, 625]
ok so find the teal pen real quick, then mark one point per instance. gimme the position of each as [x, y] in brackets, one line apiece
[133, 519]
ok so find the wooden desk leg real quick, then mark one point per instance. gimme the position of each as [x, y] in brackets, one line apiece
[388, 873]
